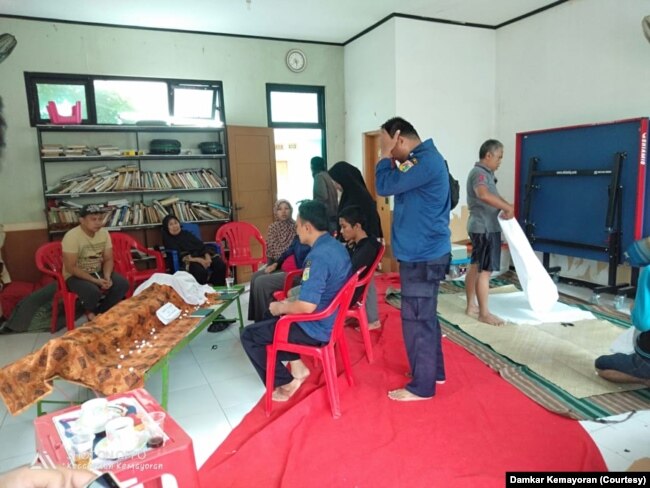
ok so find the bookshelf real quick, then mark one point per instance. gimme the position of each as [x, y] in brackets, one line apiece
[113, 166]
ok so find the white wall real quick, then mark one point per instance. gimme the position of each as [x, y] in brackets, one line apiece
[439, 77]
[581, 62]
[446, 88]
[244, 66]
[370, 87]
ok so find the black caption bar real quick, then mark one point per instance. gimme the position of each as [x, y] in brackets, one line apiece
[583, 479]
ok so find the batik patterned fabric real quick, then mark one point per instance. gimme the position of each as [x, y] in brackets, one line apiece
[110, 355]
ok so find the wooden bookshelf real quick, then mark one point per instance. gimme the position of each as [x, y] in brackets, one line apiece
[152, 178]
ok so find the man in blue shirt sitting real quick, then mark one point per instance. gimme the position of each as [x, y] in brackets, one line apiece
[327, 268]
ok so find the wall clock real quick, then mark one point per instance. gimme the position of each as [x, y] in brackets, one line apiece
[296, 60]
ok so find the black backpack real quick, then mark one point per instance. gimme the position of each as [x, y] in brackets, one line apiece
[454, 188]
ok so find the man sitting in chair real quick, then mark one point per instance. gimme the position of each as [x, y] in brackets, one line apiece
[327, 268]
[88, 263]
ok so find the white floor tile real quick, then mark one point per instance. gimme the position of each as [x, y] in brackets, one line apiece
[199, 400]
[246, 389]
[16, 461]
[208, 430]
[236, 413]
[17, 439]
[207, 351]
[227, 369]
[184, 376]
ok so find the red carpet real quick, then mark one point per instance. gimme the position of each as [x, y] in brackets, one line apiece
[474, 430]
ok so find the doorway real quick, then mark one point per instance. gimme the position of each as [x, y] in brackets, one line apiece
[371, 153]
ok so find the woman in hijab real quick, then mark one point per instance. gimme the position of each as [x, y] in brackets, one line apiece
[354, 192]
[200, 260]
[281, 232]
[325, 191]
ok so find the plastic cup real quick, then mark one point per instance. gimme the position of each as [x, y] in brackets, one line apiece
[154, 422]
[229, 282]
[82, 449]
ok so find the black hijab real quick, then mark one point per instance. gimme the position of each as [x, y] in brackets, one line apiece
[355, 192]
[185, 242]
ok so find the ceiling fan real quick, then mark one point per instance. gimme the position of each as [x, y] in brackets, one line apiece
[7, 44]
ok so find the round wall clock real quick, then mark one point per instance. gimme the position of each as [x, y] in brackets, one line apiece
[296, 60]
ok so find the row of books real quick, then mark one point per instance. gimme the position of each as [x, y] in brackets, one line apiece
[75, 150]
[129, 178]
[65, 216]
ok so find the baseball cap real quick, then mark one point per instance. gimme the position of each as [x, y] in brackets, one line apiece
[90, 209]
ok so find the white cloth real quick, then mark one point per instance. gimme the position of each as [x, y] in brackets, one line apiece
[624, 343]
[184, 284]
[514, 309]
[538, 286]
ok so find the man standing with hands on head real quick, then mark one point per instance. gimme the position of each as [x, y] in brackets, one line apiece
[88, 263]
[415, 173]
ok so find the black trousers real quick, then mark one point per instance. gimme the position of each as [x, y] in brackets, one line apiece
[214, 275]
[89, 293]
[257, 336]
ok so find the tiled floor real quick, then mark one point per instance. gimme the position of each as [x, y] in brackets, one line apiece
[211, 390]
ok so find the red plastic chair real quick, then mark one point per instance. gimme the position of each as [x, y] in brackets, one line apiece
[358, 310]
[289, 282]
[237, 236]
[49, 260]
[325, 353]
[123, 244]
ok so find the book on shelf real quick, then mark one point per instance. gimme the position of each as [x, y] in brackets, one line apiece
[118, 214]
[168, 201]
[121, 202]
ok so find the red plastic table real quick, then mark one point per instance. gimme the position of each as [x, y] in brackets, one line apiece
[175, 458]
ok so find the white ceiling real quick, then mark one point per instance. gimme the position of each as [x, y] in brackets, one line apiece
[311, 20]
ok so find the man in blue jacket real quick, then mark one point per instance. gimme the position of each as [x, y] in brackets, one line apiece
[327, 268]
[415, 173]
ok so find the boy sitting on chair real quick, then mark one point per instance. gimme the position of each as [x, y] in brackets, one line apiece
[363, 251]
[327, 268]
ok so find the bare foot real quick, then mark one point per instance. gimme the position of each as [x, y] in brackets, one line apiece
[403, 395]
[284, 392]
[472, 311]
[374, 325]
[491, 319]
[299, 370]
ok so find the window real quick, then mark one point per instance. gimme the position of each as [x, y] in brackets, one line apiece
[127, 102]
[111, 100]
[297, 115]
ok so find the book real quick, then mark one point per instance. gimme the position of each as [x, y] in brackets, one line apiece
[202, 312]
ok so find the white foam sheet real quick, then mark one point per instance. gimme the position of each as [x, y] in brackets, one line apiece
[515, 309]
[538, 286]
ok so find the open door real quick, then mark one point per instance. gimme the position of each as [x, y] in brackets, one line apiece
[371, 153]
[251, 152]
